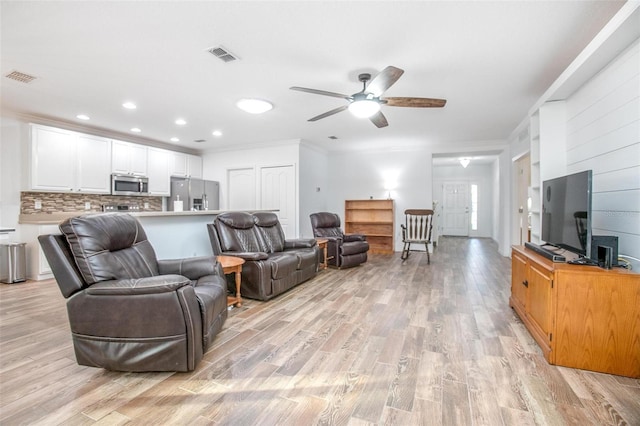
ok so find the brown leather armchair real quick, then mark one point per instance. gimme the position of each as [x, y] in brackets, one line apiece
[273, 264]
[343, 250]
[129, 311]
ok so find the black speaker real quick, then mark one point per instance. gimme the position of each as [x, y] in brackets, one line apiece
[604, 241]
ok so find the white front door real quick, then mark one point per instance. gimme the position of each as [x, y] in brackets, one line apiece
[455, 209]
[242, 189]
[278, 192]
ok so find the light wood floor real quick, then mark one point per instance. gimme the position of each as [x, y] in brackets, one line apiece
[385, 343]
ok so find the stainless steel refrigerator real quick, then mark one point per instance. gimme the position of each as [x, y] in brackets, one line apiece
[193, 194]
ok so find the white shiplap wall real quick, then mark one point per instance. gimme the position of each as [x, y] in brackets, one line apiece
[603, 134]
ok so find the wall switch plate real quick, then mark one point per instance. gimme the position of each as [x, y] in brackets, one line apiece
[38, 205]
[87, 205]
[146, 205]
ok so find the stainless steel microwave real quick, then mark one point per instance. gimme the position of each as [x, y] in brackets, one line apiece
[129, 185]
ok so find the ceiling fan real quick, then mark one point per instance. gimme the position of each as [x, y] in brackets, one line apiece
[367, 102]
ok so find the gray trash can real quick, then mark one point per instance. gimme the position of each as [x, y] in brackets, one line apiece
[12, 263]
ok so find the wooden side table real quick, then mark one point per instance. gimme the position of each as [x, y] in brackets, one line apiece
[322, 243]
[232, 264]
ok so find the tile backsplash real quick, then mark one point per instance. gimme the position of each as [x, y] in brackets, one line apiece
[55, 202]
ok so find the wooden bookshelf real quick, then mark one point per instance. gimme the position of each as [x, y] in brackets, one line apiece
[373, 219]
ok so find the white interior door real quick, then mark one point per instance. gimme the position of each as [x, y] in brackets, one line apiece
[455, 209]
[278, 192]
[242, 189]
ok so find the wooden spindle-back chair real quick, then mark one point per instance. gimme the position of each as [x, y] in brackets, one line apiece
[417, 229]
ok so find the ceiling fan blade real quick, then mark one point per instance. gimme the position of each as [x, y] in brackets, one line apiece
[328, 113]
[319, 92]
[379, 120]
[415, 102]
[385, 79]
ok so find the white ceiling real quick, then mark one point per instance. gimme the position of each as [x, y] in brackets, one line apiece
[491, 61]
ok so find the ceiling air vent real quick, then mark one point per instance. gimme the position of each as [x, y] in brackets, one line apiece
[20, 76]
[222, 54]
[200, 140]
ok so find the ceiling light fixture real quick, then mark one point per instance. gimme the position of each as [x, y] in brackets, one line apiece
[216, 133]
[181, 122]
[364, 106]
[129, 105]
[465, 162]
[254, 106]
[135, 130]
[174, 139]
[82, 116]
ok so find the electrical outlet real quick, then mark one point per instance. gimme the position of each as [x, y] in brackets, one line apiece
[146, 205]
[38, 205]
[87, 205]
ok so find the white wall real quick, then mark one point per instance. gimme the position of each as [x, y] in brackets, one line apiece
[603, 134]
[13, 146]
[217, 163]
[480, 174]
[506, 203]
[364, 174]
[314, 186]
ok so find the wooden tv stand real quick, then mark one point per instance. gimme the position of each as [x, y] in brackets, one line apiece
[581, 316]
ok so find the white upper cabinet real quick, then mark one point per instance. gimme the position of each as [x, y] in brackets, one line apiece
[128, 158]
[53, 159]
[194, 163]
[67, 161]
[178, 164]
[93, 171]
[186, 165]
[158, 168]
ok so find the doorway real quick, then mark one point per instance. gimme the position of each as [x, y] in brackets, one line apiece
[278, 192]
[455, 208]
[241, 191]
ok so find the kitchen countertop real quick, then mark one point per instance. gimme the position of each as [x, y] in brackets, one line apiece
[55, 218]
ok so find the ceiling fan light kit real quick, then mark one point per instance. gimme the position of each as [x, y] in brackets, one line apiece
[367, 102]
[364, 108]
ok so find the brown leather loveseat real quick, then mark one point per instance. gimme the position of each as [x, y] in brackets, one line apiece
[129, 311]
[273, 264]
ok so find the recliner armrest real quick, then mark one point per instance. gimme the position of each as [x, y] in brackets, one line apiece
[192, 268]
[300, 243]
[246, 255]
[138, 286]
[354, 237]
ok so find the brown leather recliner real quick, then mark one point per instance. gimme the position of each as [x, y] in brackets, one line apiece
[343, 250]
[273, 264]
[129, 311]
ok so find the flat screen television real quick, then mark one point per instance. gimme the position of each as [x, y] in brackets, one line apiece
[566, 212]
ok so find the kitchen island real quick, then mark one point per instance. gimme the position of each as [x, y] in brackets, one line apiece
[173, 235]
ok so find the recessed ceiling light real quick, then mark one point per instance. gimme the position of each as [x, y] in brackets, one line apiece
[82, 116]
[174, 139]
[135, 130]
[181, 122]
[254, 106]
[216, 133]
[129, 105]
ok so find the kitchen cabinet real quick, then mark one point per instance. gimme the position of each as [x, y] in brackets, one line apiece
[67, 161]
[374, 219]
[186, 165]
[158, 171]
[93, 171]
[37, 266]
[581, 316]
[128, 158]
